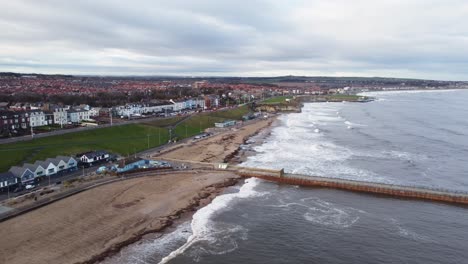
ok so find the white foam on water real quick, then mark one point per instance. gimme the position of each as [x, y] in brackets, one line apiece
[148, 250]
[407, 233]
[299, 147]
[328, 214]
[405, 92]
[321, 212]
[348, 123]
[216, 237]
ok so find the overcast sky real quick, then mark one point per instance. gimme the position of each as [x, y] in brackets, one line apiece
[395, 38]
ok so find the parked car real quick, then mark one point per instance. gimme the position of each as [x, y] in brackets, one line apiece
[30, 186]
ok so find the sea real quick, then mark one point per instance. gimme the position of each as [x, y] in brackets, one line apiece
[413, 138]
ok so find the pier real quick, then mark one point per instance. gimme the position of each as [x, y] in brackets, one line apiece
[398, 191]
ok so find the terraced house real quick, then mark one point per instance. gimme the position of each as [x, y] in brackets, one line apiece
[14, 122]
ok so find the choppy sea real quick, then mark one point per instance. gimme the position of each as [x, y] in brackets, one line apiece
[417, 138]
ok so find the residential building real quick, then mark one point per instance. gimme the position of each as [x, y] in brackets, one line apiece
[93, 157]
[72, 163]
[24, 174]
[94, 111]
[77, 115]
[60, 164]
[37, 118]
[7, 179]
[49, 167]
[11, 121]
[38, 170]
[60, 115]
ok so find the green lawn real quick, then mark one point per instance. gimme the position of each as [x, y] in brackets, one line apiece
[276, 100]
[195, 125]
[164, 122]
[235, 113]
[123, 140]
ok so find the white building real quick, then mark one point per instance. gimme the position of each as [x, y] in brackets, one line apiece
[138, 109]
[49, 167]
[178, 105]
[77, 115]
[37, 119]
[60, 115]
[38, 170]
[94, 111]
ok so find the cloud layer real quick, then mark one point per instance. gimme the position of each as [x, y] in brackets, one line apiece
[398, 38]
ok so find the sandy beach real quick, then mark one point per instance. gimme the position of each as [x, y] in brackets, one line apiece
[85, 228]
[88, 227]
[219, 148]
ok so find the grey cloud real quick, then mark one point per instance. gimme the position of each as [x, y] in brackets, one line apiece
[335, 37]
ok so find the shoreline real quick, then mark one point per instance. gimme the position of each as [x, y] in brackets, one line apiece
[204, 198]
[56, 238]
[187, 216]
[73, 230]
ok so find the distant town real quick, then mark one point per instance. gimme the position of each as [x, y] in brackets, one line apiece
[50, 125]
[35, 103]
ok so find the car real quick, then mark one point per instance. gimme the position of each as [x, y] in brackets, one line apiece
[30, 186]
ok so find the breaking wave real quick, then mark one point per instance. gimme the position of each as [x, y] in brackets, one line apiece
[215, 237]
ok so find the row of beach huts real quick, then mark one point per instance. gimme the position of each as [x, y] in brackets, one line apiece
[30, 173]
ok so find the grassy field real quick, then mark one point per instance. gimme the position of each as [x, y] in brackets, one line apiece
[197, 123]
[235, 113]
[277, 100]
[164, 122]
[123, 140]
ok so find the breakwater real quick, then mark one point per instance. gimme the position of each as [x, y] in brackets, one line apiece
[412, 192]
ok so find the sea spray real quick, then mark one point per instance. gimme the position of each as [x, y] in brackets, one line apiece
[204, 229]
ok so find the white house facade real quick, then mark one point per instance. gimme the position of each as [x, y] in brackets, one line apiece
[37, 119]
[49, 167]
[77, 115]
